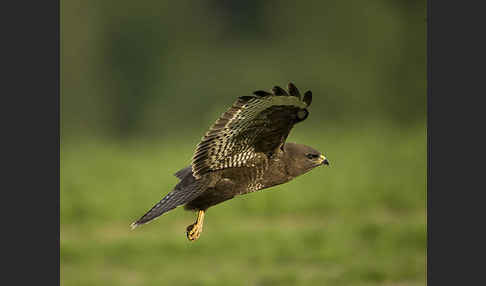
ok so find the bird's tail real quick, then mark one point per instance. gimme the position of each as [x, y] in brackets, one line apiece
[184, 192]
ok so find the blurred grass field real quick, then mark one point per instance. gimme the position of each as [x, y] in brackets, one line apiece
[361, 221]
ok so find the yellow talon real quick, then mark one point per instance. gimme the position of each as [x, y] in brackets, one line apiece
[194, 230]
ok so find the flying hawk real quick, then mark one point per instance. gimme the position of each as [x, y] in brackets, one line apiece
[243, 152]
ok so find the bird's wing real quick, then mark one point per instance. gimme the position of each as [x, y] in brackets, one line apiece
[253, 125]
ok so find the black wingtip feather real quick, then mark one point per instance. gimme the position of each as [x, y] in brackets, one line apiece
[293, 90]
[278, 91]
[308, 97]
[261, 93]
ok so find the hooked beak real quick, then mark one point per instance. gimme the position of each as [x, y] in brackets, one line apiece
[324, 160]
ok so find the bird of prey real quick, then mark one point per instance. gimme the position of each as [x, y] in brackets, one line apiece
[243, 152]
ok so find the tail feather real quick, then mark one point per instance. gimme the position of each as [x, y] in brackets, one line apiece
[184, 192]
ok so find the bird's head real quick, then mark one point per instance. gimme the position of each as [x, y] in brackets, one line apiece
[301, 159]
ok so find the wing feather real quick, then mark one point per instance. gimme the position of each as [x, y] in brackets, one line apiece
[252, 125]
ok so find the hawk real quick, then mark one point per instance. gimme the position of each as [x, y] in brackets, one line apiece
[243, 152]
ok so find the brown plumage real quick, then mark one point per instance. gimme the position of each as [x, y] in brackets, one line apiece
[244, 151]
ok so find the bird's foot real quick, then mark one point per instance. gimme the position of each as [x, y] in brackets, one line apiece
[194, 230]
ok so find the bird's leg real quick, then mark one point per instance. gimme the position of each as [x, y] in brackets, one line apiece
[194, 230]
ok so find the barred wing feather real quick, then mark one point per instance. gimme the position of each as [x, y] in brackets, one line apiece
[253, 125]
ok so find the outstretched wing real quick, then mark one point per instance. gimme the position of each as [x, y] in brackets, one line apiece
[253, 125]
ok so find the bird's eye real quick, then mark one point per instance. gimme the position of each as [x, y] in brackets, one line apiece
[311, 156]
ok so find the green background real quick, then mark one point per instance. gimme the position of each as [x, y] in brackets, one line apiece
[141, 82]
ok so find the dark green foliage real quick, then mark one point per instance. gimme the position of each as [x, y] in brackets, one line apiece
[135, 69]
